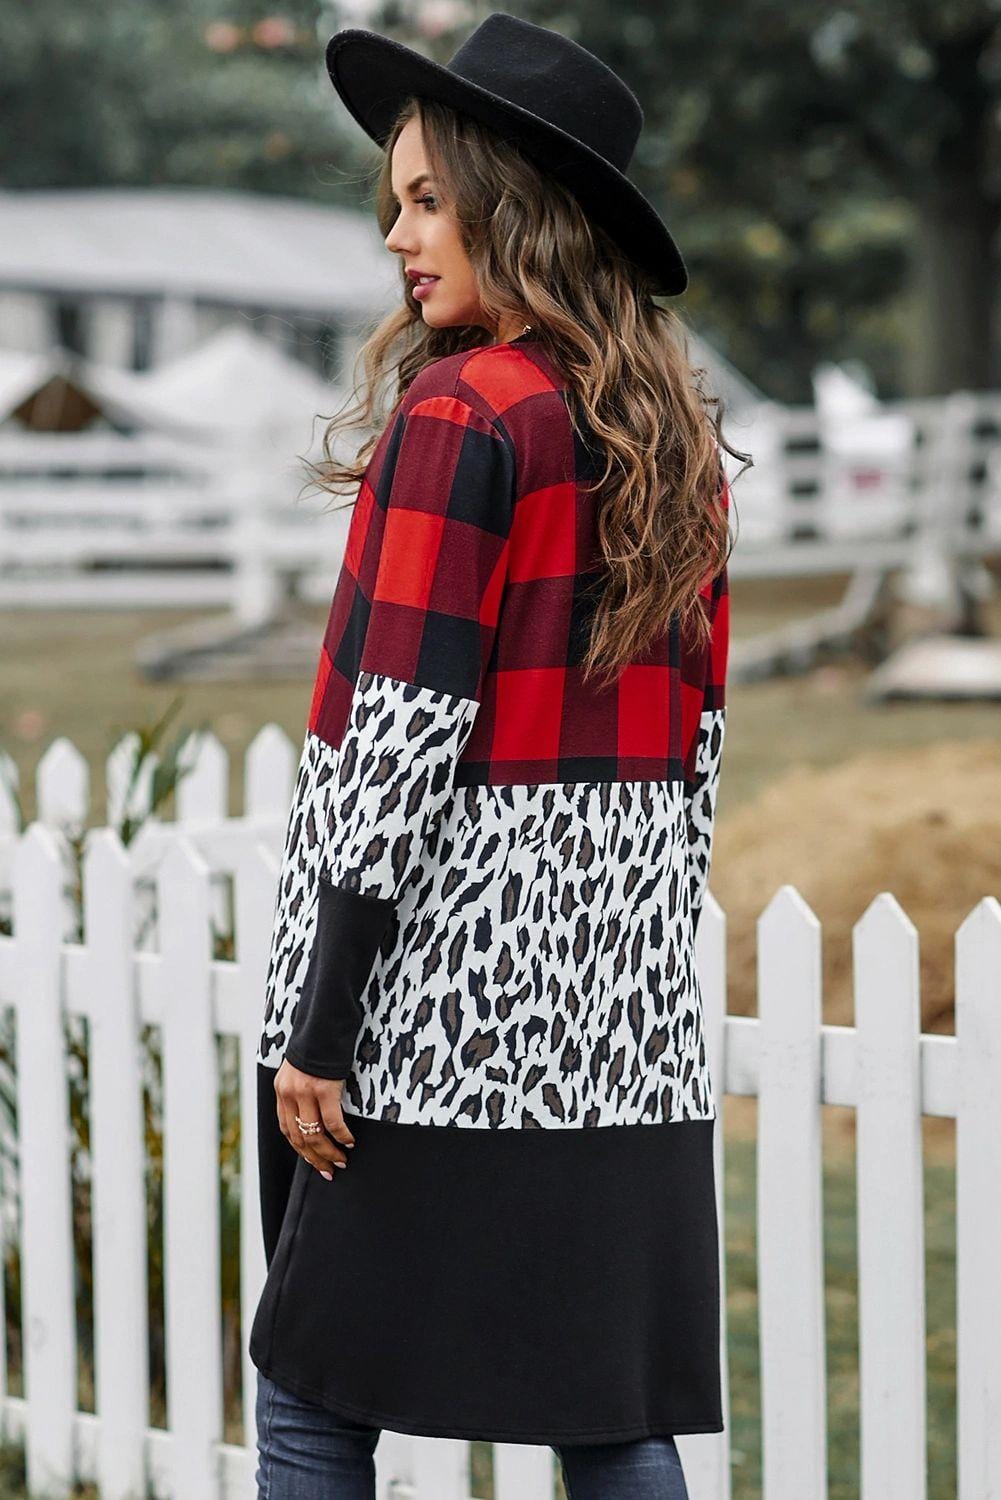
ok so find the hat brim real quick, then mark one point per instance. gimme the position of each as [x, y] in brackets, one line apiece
[374, 75]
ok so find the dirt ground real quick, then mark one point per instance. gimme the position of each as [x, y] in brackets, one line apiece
[922, 822]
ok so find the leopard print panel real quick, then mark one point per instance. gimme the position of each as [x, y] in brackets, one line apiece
[541, 970]
[702, 803]
[541, 974]
[393, 778]
[359, 817]
[296, 902]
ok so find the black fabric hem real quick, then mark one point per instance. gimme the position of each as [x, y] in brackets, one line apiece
[277, 1159]
[600, 1309]
[394, 1423]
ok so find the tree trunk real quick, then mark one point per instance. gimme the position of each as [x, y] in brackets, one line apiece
[954, 277]
[958, 218]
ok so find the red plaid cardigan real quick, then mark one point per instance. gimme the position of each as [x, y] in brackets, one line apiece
[490, 887]
[467, 570]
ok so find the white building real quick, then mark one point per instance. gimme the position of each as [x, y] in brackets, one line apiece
[133, 277]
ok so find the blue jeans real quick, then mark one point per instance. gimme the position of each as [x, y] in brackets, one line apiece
[310, 1453]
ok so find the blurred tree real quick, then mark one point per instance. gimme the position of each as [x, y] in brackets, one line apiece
[832, 174]
[917, 85]
[138, 93]
[825, 168]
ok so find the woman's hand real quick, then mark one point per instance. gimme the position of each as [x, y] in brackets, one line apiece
[312, 1098]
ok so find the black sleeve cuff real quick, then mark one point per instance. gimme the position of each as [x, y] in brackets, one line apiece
[349, 930]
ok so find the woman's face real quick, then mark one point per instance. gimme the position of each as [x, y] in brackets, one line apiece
[427, 237]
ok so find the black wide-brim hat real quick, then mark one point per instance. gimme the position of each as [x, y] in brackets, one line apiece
[557, 102]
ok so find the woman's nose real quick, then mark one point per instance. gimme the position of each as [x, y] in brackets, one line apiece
[397, 242]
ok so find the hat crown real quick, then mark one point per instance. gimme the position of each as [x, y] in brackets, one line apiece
[556, 79]
[558, 103]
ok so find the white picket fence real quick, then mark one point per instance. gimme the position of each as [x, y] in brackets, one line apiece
[883, 1067]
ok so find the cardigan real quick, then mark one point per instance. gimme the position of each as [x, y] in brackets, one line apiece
[484, 923]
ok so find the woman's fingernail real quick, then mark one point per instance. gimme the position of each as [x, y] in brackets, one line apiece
[328, 1175]
[350, 1145]
[340, 1163]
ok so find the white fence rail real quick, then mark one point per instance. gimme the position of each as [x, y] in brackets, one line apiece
[107, 520]
[884, 487]
[883, 1067]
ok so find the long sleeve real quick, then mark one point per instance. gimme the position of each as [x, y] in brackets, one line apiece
[425, 566]
[708, 747]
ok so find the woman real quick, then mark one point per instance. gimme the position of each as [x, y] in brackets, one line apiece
[486, 1119]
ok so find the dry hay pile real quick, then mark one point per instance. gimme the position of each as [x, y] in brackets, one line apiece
[923, 824]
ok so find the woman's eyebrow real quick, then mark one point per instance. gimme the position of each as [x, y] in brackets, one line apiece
[412, 187]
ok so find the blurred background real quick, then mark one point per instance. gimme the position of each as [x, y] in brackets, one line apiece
[188, 261]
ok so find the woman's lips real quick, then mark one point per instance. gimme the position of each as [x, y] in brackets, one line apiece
[422, 289]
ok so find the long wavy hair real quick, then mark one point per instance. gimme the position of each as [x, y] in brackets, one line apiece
[662, 524]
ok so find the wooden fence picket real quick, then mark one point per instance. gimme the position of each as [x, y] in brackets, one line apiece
[63, 785]
[118, 1157]
[978, 1201]
[706, 1458]
[128, 793]
[440, 1468]
[256, 885]
[47, 1261]
[203, 792]
[790, 1203]
[269, 774]
[10, 782]
[191, 1172]
[890, 1191]
[523, 1471]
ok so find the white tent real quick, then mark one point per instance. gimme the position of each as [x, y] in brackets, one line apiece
[233, 384]
[236, 386]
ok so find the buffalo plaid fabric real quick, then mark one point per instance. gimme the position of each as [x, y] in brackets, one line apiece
[470, 569]
[420, 588]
